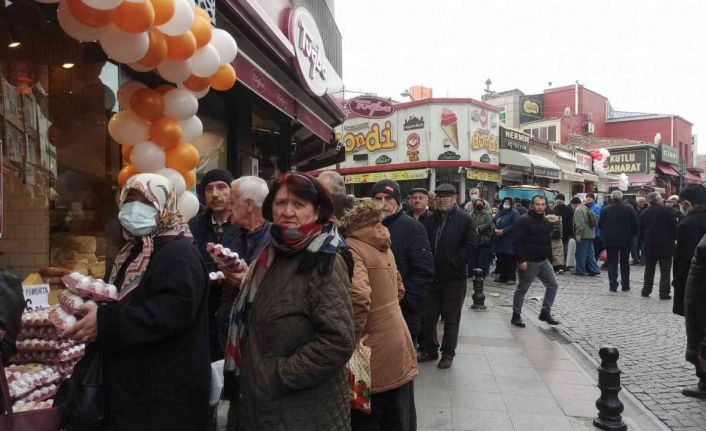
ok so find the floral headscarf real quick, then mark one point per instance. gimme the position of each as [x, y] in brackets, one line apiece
[160, 192]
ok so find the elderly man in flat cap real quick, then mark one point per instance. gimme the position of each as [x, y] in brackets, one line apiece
[453, 240]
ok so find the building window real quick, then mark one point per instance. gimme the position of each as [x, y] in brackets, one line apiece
[501, 115]
[528, 131]
[543, 133]
[535, 133]
[551, 133]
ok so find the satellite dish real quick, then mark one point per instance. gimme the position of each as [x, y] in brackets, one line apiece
[658, 138]
[567, 112]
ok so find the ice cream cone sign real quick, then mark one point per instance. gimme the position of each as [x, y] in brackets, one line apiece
[449, 122]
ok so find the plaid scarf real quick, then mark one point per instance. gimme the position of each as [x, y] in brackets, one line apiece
[313, 242]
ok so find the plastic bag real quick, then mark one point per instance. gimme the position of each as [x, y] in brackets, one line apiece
[80, 398]
[359, 378]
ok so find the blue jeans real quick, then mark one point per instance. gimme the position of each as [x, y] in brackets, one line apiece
[545, 273]
[585, 258]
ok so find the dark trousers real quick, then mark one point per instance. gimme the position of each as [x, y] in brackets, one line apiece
[565, 242]
[597, 246]
[665, 267]
[636, 250]
[482, 260]
[507, 266]
[618, 256]
[445, 298]
[392, 410]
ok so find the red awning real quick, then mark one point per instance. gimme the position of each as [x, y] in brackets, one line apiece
[693, 178]
[667, 170]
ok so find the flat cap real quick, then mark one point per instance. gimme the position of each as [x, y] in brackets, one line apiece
[445, 189]
[419, 190]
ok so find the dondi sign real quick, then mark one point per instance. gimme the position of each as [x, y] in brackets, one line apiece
[370, 107]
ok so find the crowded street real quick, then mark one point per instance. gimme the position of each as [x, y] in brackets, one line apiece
[337, 215]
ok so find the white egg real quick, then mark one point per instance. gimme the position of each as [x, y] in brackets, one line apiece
[112, 291]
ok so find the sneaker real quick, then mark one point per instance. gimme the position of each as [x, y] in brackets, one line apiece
[578, 274]
[517, 320]
[593, 274]
[561, 271]
[445, 362]
[427, 357]
[547, 317]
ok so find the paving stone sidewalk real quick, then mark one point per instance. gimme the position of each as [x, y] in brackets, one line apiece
[504, 378]
[650, 338]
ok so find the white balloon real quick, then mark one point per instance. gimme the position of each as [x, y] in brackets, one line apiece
[175, 177]
[102, 4]
[124, 47]
[137, 67]
[188, 205]
[225, 45]
[174, 71]
[205, 61]
[126, 91]
[127, 128]
[197, 94]
[181, 21]
[191, 129]
[147, 157]
[75, 29]
[180, 104]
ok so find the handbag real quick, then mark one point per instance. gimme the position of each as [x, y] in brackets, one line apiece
[81, 397]
[359, 377]
[34, 420]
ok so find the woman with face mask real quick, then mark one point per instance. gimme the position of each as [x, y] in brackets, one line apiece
[291, 327]
[154, 339]
[504, 245]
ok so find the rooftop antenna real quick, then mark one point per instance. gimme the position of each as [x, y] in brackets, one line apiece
[488, 83]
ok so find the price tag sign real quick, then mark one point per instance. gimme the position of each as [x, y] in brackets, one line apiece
[36, 296]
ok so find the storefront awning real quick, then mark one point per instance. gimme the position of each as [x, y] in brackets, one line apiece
[690, 177]
[637, 180]
[667, 170]
[587, 176]
[515, 158]
[571, 176]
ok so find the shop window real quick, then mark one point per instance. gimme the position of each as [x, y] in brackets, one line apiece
[543, 133]
[551, 133]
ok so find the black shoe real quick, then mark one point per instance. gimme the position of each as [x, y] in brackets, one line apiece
[517, 320]
[445, 362]
[427, 357]
[626, 289]
[645, 295]
[665, 296]
[612, 289]
[694, 392]
[547, 317]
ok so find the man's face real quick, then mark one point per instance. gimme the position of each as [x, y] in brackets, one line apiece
[641, 204]
[539, 206]
[419, 201]
[387, 201]
[238, 211]
[559, 202]
[574, 206]
[588, 200]
[217, 196]
[446, 201]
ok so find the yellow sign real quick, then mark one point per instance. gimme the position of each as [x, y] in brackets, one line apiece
[479, 141]
[374, 140]
[374, 177]
[483, 175]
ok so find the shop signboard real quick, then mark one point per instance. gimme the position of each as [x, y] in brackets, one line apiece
[546, 172]
[413, 132]
[449, 131]
[484, 147]
[483, 175]
[373, 177]
[531, 108]
[514, 141]
[36, 296]
[628, 162]
[370, 107]
[669, 155]
[375, 137]
[584, 162]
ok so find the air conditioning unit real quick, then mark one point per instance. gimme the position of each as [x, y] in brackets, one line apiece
[589, 128]
[588, 116]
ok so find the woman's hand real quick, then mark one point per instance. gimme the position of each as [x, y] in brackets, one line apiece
[235, 276]
[86, 329]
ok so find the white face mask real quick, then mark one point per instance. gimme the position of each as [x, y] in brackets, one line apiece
[474, 197]
[138, 218]
[506, 206]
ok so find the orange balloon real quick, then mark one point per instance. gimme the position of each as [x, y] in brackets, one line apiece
[183, 158]
[125, 150]
[199, 11]
[147, 103]
[181, 47]
[163, 89]
[125, 174]
[157, 51]
[134, 17]
[189, 179]
[201, 28]
[88, 16]
[196, 83]
[165, 132]
[163, 11]
[224, 78]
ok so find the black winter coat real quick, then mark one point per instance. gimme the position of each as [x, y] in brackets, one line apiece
[695, 305]
[689, 232]
[201, 227]
[532, 234]
[12, 304]
[658, 230]
[567, 221]
[618, 224]
[155, 344]
[453, 238]
[415, 262]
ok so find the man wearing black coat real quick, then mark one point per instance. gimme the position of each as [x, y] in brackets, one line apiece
[618, 224]
[410, 246]
[658, 230]
[567, 221]
[453, 238]
[214, 226]
[695, 319]
[689, 230]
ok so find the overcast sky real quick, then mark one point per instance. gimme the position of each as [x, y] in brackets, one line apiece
[645, 56]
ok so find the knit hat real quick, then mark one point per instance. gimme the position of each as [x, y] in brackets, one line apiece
[694, 193]
[388, 187]
[217, 175]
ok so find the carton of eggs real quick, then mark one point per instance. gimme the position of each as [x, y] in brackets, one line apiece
[90, 288]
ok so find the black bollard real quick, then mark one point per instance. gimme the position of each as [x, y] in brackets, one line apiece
[478, 295]
[609, 405]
